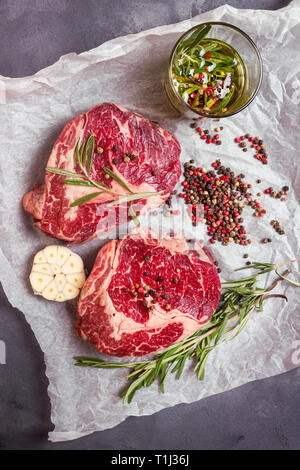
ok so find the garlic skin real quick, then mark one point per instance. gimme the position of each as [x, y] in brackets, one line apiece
[57, 273]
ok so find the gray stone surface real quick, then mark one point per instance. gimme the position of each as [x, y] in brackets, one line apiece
[260, 415]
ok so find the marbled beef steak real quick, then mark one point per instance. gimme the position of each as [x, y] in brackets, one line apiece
[154, 166]
[144, 294]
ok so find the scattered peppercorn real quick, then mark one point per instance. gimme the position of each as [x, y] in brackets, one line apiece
[222, 195]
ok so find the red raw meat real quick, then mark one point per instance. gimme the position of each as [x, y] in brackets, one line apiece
[182, 290]
[155, 166]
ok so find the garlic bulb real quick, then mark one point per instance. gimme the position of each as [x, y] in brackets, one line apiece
[57, 273]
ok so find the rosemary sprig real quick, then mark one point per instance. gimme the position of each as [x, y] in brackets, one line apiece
[238, 301]
[84, 157]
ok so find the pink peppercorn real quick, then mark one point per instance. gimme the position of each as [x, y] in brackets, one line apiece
[199, 129]
[204, 137]
[237, 140]
[214, 164]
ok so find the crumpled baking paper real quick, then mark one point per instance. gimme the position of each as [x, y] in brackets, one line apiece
[129, 70]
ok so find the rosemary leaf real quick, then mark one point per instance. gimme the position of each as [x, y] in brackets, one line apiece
[62, 172]
[82, 155]
[78, 182]
[91, 145]
[131, 197]
[288, 280]
[133, 215]
[117, 178]
[86, 198]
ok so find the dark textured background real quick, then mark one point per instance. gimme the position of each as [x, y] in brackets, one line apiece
[260, 415]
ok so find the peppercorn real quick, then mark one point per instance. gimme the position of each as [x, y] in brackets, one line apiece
[159, 279]
[115, 161]
[100, 150]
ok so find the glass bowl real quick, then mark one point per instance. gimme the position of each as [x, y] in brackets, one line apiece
[250, 75]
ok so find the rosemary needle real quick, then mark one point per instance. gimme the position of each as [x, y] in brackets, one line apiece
[238, 300]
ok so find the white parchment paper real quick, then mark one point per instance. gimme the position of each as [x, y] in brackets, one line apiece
[129, 71]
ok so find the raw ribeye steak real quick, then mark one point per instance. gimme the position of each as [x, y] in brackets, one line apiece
[120, 135]
[144, 294]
